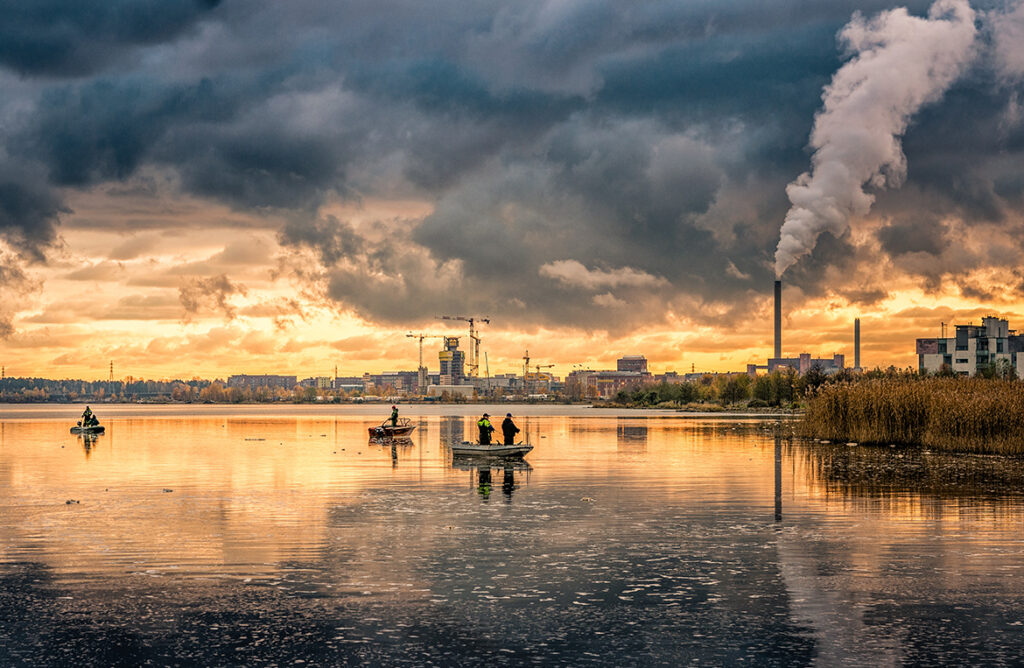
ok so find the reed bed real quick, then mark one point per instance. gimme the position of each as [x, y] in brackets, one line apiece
[954, 414]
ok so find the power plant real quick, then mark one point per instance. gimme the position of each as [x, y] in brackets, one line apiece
[856, 344]
[778, 319]
[803, 362]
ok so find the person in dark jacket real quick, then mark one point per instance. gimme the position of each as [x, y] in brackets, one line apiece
[509, 429]
[484, 424]
[394, 416]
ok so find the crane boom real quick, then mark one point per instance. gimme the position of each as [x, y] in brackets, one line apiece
[474, 340]
[421, 371]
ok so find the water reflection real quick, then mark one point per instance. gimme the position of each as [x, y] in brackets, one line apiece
[451, 430]
[88, 442]
[631, 435]
[234, 541]
[484, 471]
[778, 478]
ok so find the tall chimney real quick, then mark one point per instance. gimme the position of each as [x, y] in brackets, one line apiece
[778, 319]
[856, 343]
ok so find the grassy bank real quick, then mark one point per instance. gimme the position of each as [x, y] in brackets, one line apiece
[955, 414]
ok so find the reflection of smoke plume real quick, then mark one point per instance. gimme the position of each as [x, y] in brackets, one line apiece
[899, 63]
[211, 292]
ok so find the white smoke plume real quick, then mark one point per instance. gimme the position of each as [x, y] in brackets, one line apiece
[899, 63]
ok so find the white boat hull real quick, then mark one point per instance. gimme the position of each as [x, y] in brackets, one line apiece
[494, 450]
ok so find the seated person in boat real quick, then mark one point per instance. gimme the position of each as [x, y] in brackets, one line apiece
[509, 430]
[484, 424]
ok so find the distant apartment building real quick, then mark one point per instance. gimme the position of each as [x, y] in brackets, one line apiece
[349, 383]
[319, 382]
[973, 348]
[253, 382]
[634, 363]
[452, 362]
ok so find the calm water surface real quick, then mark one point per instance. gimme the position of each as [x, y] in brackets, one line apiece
[252, 536]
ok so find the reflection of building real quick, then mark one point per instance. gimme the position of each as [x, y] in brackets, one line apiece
[452, 362]
[636, 363]
[452, 430]
[974, 347]
[253, 382]
[630, 435]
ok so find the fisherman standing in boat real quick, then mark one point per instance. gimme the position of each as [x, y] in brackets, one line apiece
[394, 416]
[509, 429]
[485, 427]
[87, 417]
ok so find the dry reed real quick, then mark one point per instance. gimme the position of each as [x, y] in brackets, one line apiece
[955, 414]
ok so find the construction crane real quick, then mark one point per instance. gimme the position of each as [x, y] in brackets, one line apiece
[474, 341]
[526, 372]
[536, 375]
[422, 370]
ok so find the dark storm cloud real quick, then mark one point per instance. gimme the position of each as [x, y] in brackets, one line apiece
[29, 212]
[67, 37]
[915, 234]
[561, 144]
[329, 237]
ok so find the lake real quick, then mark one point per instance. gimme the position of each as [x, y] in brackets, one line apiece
[259, 535]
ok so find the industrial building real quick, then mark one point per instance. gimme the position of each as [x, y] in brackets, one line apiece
[973, 348]
[606, 384]
[803, 363]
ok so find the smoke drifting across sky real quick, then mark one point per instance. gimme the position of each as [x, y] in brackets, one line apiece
[898, 64]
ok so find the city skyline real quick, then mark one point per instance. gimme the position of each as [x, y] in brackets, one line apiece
[275, 188]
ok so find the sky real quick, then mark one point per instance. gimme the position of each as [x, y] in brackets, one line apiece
[195, 188]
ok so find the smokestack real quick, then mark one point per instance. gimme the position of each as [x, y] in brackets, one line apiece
[778, 319]
[856, 343]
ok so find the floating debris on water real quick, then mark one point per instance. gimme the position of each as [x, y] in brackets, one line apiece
[70, 501]
[166, 490]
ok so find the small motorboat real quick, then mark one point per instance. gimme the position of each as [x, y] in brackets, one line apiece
[388, 430]
[494, 450]
[91, 429]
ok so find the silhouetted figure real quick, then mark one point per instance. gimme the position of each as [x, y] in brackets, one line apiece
[508, 483]
[509, 429]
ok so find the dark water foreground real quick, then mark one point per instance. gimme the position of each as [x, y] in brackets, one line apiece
[289, 540]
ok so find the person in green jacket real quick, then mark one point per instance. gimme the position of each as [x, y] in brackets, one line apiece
[394, 416]
[484, 424]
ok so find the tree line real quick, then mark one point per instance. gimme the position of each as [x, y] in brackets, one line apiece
[779, 389]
